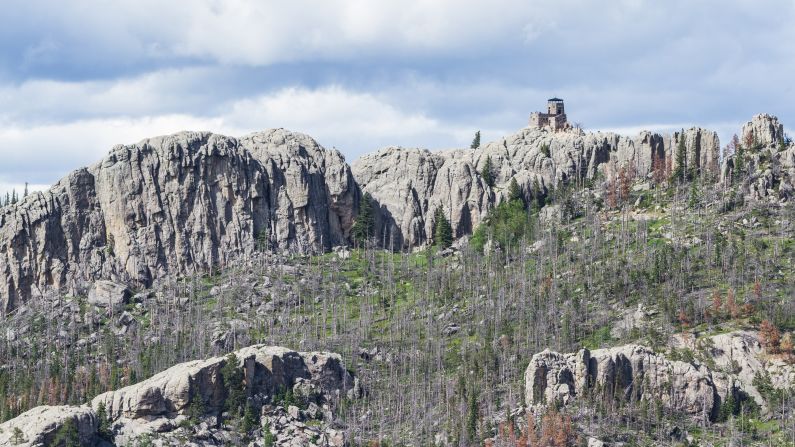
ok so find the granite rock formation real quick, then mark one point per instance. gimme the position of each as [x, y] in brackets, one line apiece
[161, 403]
[409, 184]
[175, 204]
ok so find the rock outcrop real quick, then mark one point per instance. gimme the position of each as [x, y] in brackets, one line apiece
[175, 204]
[39, 426]
[409, 184]
[636, 373]
[632, 373]
[763, 168]
[763, 130]
[163, 403]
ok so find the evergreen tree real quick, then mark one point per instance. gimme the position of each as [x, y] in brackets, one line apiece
[364, 227]
[476, 141]
[694, 194]
[442, 230]
[25, 193]
[472, 418]
[514, 192]
[681, 159]
[67, 435]
[103, 427]
[539, 200]
[488, 172]
[233, 382]
[739, 160]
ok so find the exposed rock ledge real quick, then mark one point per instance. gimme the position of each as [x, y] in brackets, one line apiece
[160, 403]
[636, 373]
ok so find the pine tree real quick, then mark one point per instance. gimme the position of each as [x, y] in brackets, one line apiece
[476, 141]
[488, 172]
[235, 387]
[472, 418]
[681, 159]
[364, 226]
[739, 161]
[67, 435]
[514, 192]
[442, 230]
[103, 428]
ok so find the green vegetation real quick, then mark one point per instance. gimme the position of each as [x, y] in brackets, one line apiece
[476, 141]
[507, 224]
[488, 172]
[442, 231]
[67, 435]
[232, 374]
[364, 226]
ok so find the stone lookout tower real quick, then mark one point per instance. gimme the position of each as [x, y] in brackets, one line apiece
[554, 119]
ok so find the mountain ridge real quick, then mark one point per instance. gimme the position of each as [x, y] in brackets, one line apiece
[195, 201]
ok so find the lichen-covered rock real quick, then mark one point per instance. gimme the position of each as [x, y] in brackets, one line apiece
[39, 426]
[175, 204]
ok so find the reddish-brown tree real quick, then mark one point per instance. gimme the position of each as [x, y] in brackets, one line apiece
[769, 336]
[731, 304]
[717, 303]
[684, 320]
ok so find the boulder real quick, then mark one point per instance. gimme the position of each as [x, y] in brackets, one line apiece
[109, 295]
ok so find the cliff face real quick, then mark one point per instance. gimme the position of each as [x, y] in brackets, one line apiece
[173, 205]
[409, 184]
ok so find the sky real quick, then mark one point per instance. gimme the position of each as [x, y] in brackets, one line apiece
[78, 77]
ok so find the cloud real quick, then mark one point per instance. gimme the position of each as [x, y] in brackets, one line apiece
[352, 122]
[78, 77]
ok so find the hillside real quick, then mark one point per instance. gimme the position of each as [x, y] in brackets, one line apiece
[600, 289]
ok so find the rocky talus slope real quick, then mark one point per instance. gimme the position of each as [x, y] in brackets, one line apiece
[635, 373]
[196, 392]
[174, 205]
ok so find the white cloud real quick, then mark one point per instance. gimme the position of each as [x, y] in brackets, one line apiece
[352, 122]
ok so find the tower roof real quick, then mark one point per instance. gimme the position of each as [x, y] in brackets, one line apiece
[554, 100]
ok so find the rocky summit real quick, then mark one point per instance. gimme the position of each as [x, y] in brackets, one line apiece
[174, 205]
[194, 202]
